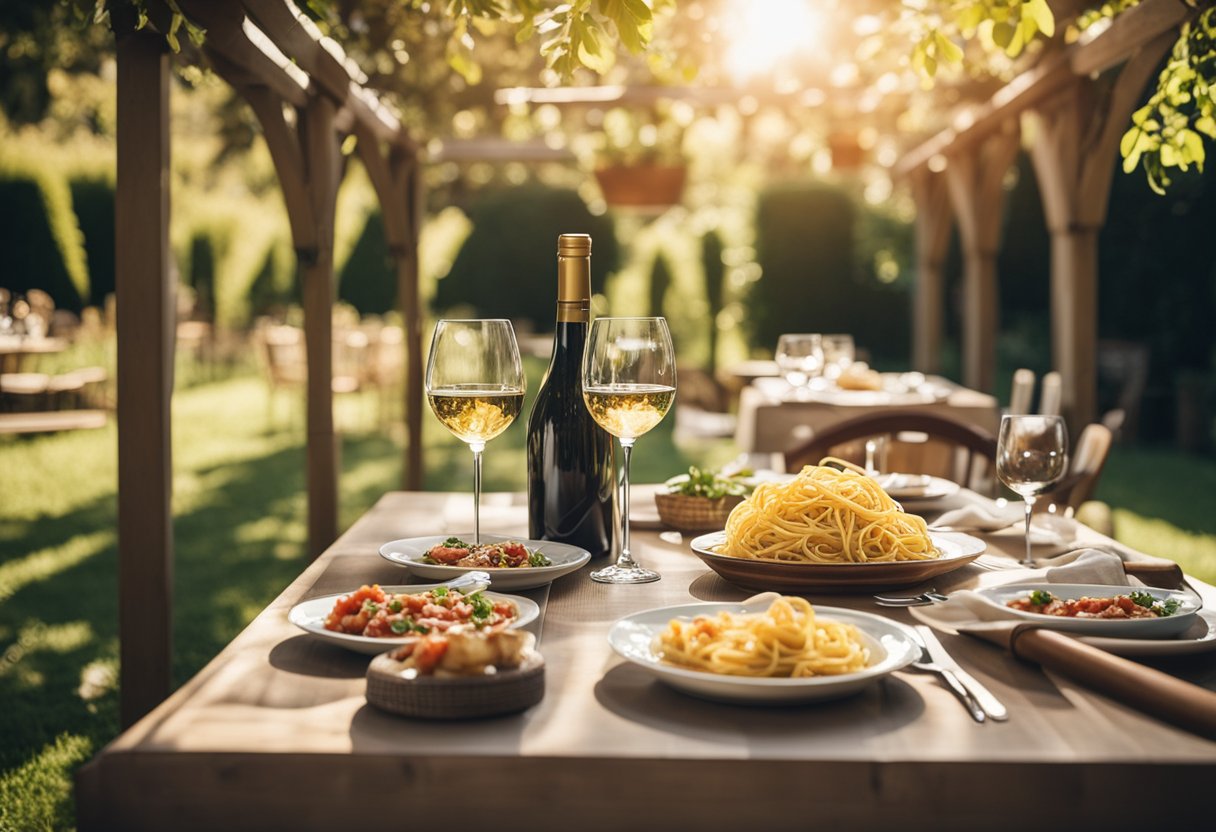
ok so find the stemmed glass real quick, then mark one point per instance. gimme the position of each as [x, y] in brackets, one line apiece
[838, 354]
[800, 358]
[475, 386]
[1031, 455]
[629, 383]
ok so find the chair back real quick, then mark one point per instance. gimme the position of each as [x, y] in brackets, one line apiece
[1049, 397]
[1022, 393]
[967, 453]
[1084, 470]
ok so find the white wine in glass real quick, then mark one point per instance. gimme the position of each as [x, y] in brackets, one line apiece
[629, 384]
[475, 386]
[1031, 455]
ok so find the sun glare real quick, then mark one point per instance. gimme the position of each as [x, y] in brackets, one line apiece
[763, 33]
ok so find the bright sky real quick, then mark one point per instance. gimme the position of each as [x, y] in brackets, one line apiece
[764, 33]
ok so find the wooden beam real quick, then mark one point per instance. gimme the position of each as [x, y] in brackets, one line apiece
[974, 180]
[934, 222]
[224, 21]
[1132, 30]
[1074, 155]
[321, 155]
[146, 309]
[282, 139]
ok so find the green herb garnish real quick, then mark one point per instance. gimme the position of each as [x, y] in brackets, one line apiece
[400, 627]
[537, 559]
[1164, 609]
[482, 607]
[709, 484]
[394, 605]
[1040, 597]
[456, 543]
[371, 607]
[440, 591]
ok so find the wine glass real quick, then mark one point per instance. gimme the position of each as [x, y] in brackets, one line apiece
[838, 354]
[800, 359]
[629, 383]
[1031, 455]
[475, 385]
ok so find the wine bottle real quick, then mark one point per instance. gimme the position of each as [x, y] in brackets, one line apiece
[570, 472]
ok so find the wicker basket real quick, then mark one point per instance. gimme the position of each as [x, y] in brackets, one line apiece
[430, 697]
[695, 514]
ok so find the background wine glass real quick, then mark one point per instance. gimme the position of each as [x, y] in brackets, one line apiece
[475, 386]
[838, 353]
[629, 383]
[799, 356]
[1031, 455]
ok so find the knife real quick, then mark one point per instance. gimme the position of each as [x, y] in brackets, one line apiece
[983, 697]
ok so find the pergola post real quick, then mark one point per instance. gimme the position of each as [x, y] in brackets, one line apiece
[1074, 155]
[146, 314]
[933, 224]
[396, 181]
[322, 155]
[974, 180]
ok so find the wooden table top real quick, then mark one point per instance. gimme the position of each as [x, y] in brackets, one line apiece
[275, 732]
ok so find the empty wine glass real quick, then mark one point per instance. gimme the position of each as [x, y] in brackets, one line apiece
[629, 383]
[800, 358]
[475, 385]
[1031, 455]
[838, 354]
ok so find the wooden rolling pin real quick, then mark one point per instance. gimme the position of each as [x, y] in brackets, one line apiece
[1173, 700]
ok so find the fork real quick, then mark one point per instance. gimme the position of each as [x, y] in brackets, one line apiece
[929, 596]
[927, 664]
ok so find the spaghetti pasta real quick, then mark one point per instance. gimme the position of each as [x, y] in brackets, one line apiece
[786, 640]
[826, 515]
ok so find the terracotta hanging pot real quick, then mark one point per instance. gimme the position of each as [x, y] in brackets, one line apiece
[847, 153]
[645, 186]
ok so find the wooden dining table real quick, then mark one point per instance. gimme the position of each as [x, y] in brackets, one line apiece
[276, 733]
[774, 419]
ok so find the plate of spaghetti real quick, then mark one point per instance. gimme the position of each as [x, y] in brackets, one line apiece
[768, 649]
[828, 529]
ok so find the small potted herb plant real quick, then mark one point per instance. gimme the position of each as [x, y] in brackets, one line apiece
[701, 500]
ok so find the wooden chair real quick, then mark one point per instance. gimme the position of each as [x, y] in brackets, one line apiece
[970, 455]
[1084, 470]
[1022, 392]
[1050, 395]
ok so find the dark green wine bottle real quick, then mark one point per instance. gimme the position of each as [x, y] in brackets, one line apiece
[570, 476]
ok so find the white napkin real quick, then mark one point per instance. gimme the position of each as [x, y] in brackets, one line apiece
[969, 611]
[1045, 529]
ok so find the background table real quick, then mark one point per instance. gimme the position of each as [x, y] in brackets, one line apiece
[771, 423]
[275, 732]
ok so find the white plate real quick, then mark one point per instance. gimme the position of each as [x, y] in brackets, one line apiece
[408, 552]
[891, 645]
[309, 616]
[915, 488]
[1143, 628]
[1200, 637]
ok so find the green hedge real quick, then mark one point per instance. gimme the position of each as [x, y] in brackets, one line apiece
[812, 279]
[508, 265]
[368, 280]
[41, 243]
[93, 201]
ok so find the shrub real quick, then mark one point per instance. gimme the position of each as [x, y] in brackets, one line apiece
[368, 280]
[93, 201]
[39, 237]
[507, 266]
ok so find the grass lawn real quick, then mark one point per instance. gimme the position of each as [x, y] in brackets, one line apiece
[239, 508]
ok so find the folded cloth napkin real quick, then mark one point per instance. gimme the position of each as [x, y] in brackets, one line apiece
[967, 610]
[1149, 690]
[1045, 529]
